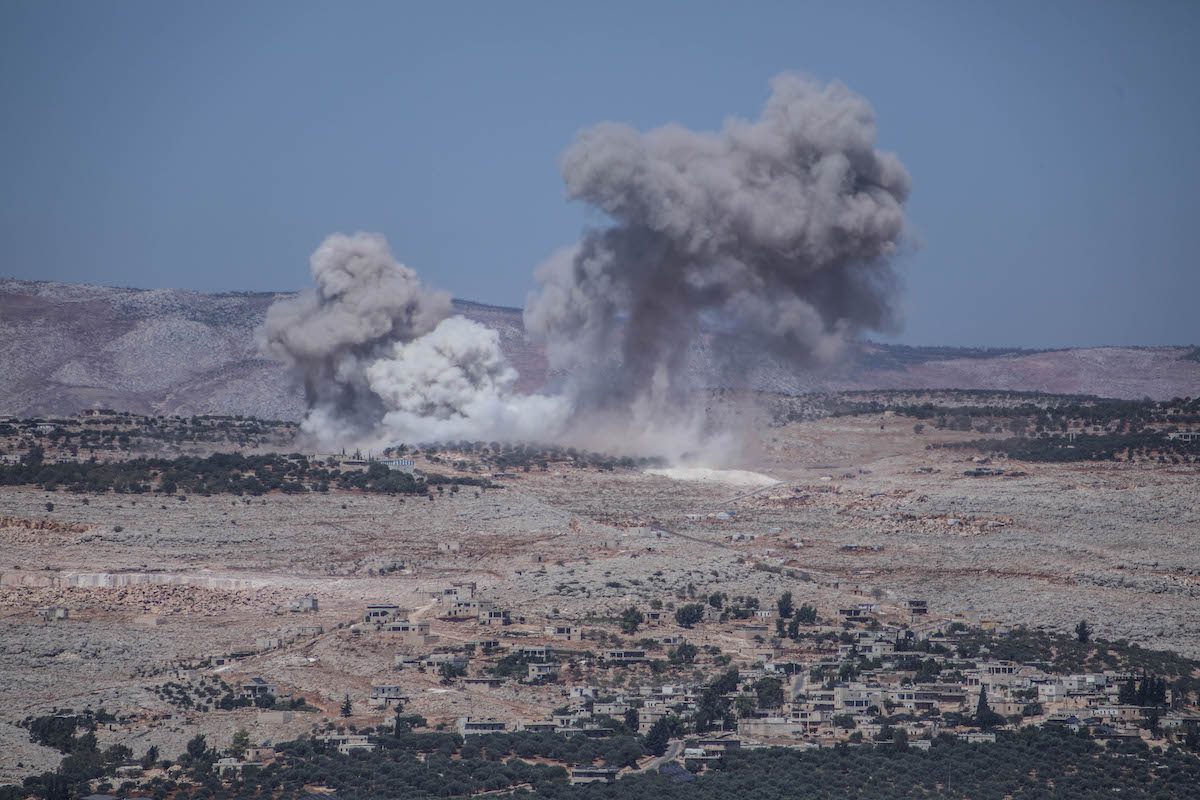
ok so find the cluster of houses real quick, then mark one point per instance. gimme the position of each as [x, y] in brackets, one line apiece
[861, 680]
[862, 676]
[831, 696]
[589, 711]
[818, 712]
[458, 601]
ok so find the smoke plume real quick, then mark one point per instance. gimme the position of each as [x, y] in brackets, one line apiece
[364, 305]
[771, 236]
[383, 361]
[774, 234]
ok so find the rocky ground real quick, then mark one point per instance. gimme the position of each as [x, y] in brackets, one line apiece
[849, 507]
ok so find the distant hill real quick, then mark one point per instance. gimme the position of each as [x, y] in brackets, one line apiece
[65, 347]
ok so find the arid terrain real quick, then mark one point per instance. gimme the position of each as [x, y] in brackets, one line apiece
[836, 510]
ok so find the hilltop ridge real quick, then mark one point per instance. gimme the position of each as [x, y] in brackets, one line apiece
[65, 347]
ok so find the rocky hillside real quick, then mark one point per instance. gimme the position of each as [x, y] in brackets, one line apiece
[66, 347]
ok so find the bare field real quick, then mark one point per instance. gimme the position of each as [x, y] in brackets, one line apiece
[861, 507]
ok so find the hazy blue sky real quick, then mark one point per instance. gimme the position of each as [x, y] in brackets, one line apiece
[1053, 145]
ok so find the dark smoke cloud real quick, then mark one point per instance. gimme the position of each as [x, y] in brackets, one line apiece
[775, 233]
[364, 303]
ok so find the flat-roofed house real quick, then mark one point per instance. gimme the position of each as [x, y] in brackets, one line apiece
[258, 687]
[588, 774]
[474, 726]
[386, 695]
[565, 633]
[378, 613]
[534, 652]
[411, 632]
[542, 671]
[467, 609]
[306, 604]
[346, 743]
[621, 656]
[493, 616]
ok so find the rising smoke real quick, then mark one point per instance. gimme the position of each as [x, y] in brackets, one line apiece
[383, 361]
[774, 235]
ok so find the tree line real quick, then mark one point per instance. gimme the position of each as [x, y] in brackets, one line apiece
[220, 473]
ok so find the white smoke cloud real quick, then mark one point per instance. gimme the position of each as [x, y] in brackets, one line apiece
[455, 383]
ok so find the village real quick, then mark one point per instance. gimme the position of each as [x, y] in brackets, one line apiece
[774, 675]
